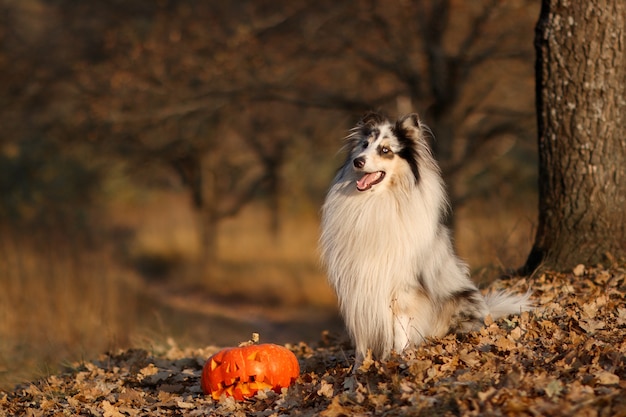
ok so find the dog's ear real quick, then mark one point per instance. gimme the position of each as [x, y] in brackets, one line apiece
[371, 119]
[411, 127]
[409, 123]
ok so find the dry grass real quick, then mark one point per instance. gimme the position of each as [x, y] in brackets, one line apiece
[61, 301]
[58, 302]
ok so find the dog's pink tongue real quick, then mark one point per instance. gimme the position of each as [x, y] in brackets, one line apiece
[366, 181]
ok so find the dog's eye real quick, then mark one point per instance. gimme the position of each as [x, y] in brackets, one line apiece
[365, 144]
[385, 149]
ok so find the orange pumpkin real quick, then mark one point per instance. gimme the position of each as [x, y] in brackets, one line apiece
[242, 371]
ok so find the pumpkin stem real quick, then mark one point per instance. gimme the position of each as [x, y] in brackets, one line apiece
[253, 341]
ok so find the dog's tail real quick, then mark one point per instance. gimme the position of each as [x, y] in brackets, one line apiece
[503, 303]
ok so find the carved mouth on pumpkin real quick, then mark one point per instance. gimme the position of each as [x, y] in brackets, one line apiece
[369, 179]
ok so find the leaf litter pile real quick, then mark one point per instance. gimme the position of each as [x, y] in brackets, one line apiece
[565, 358]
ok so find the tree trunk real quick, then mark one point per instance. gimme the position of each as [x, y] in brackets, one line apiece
[208, 215]
[275, 188]
[581, 115]
[208, 223]
[199, 177]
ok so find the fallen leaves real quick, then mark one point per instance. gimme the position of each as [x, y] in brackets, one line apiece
[565, 358]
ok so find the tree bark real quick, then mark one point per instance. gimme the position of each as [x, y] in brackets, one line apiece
[581, 116]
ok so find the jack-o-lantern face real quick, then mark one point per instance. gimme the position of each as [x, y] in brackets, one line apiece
[242, 371]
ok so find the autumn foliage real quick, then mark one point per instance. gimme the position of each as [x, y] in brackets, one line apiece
[565, 358]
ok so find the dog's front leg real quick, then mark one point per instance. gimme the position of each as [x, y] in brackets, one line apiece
[412, 319]
[401, 332]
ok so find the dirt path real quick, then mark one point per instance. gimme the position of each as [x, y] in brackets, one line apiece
[198, 317]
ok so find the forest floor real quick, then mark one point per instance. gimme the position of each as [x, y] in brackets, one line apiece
[568, 357]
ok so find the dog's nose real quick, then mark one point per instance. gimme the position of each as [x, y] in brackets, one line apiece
[359, 162]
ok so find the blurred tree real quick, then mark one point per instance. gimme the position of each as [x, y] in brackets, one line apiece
[42, 186]
[464, 64]
[222, 92]
[177, 87]
[148, 101]
[263, 129]
[581, 115]
[42, 183]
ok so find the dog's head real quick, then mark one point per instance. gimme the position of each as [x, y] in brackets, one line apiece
[383, 154]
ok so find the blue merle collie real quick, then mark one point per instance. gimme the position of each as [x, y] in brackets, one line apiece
[388, 253]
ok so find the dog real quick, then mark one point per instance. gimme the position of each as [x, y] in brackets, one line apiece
[387, 250]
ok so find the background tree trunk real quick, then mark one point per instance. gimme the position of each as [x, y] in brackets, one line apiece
[581, 114]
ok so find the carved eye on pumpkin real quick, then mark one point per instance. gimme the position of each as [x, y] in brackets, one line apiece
[242, 371]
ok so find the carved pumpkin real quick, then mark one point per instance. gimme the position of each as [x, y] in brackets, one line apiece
[242, 371]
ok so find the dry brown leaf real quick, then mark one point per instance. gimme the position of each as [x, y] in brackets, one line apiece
[325, 389]
[579, 270]
[591, 326]
[367, 362]
[606, 378]
[185, 405]
[110, 410]
[505, 344]
[378, 400]
[516, 334]
[554, 388]
[335, 409]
